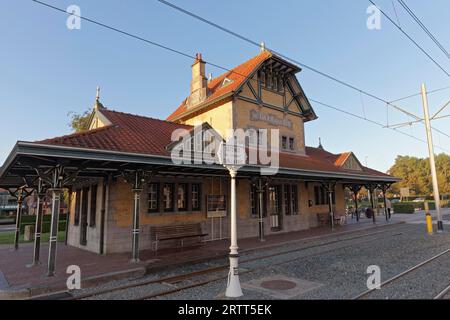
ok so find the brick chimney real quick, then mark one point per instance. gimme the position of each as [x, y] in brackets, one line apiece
[198, 82]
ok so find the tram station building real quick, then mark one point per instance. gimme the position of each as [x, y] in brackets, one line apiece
[126, 193]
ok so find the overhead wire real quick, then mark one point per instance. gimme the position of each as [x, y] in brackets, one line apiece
[165, 47]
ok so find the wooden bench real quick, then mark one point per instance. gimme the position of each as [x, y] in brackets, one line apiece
[324, 219]
[176, 232]
[339, 219]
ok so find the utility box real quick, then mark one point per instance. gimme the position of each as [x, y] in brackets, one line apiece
[28, 234]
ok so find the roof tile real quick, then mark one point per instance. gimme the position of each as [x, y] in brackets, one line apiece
[138, 134]
[128, 133]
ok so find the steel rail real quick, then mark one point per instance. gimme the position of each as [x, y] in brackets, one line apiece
[442, 294]
[201, 283]
[402, 274]
[177, 278]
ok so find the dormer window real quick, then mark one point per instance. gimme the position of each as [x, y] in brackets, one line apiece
[281, 85]
[226, 81]
[271, 81]
[262, 78]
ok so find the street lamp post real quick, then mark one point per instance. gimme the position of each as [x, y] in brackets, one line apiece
[233, 286]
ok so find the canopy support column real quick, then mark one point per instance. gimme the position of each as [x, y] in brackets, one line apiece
[329, 188]
[55, 178]
[260, 191]
[56, 191]
[56, 204]
[355, 188]
[384, 187]
[20, 199]
[136, 178]
[69, 205]
[260, 185]
[136, 225]
[370, 188]
[20, 194]
[41, 192]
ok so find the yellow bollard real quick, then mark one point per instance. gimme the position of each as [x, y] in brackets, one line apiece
[428, 219]
[429, 223]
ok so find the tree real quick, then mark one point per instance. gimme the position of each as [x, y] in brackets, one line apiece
[79, 121]
[415, 174]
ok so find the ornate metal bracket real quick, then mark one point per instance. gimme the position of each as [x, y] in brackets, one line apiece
[355, 188]
[57, 176]
[20, 192]
[265, 182]
[328, 185]
[137, 178]
[384, 186]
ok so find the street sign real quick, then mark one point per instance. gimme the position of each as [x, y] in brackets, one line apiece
[404, 192]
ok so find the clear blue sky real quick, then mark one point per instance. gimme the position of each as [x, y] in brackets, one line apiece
[47, 70]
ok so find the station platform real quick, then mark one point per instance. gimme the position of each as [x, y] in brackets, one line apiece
[19, 280]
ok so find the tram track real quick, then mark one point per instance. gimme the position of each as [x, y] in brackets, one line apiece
[401, 275]
[444, 294]
[173, 280]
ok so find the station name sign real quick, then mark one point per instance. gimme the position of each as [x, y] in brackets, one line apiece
[256, 115]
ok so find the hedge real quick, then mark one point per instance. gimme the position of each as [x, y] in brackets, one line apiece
[419, 205]
[45, 226]
[403, 208]
[46, 222]
[30, 219]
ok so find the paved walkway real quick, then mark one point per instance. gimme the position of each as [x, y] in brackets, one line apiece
[17, 276]
[419, 217]
[96, 268]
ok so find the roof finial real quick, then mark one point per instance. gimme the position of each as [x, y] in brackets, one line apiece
[262, 46]
[97, 104]
[97, 96]
[320, 144]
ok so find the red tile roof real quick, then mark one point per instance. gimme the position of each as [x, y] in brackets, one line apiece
[237, 76]
[323, 160]
[128, 133]
[138, 134]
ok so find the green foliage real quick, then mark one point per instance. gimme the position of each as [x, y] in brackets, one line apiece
[421, 205]
[45, 226]
[8, 237]
[416, 175]
[403, 208]
[31, 220]
[79, 121]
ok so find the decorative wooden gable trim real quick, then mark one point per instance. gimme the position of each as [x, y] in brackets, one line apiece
[349, 161]
[294, 99]
[98, 120]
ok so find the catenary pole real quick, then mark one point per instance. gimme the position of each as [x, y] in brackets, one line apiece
[440, 226]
